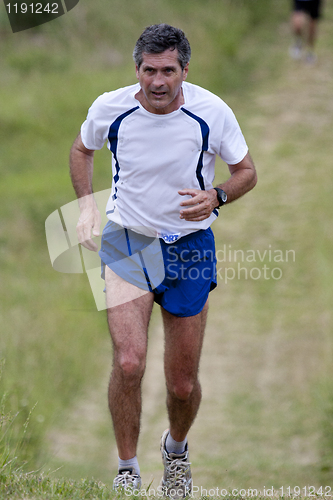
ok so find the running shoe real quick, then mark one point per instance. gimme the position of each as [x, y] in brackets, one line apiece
[295, 51]
[311, 58]
[127, 479]
[177, 478]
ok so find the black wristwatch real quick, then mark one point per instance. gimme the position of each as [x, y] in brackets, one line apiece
[221, 197]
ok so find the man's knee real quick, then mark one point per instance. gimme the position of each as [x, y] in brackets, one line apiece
[182, 389]
[131, 366]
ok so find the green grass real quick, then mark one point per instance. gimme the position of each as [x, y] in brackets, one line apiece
[18, 486]
[273, 423]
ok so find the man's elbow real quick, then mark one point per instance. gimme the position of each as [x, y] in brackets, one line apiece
[254, 179]
[79, 147]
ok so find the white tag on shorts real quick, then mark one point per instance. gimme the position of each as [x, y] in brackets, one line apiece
[169, 238]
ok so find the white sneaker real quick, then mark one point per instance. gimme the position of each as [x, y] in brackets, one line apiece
[296, 52]
[311, 58]
[127, 479]
[177, 479]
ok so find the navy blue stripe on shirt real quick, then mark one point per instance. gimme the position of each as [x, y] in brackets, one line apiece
[113, 139]
[205, 136]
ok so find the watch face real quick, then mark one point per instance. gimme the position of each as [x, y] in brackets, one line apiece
[221, 196]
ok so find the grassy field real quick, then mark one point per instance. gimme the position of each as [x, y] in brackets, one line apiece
[267, 415]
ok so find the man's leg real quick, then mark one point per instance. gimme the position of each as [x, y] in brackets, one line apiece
[298, 19]
[129, 310]
[297, 26]
[312, 34]
[297, 23]
[183, 344]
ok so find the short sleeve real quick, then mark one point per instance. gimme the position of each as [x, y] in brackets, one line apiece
[233, 147]
[94, 130]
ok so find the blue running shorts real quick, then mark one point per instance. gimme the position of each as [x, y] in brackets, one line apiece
[180, 274]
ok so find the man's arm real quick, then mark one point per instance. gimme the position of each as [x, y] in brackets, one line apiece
[81, 163]
[243, 178]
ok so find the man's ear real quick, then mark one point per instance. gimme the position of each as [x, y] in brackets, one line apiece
[137, 71]
[185, 72]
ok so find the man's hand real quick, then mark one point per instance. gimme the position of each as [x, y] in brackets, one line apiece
[200, 205]
[89, 221]
[81, 169]
[243, 178]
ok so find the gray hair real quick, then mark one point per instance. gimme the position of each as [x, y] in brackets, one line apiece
[157, 38]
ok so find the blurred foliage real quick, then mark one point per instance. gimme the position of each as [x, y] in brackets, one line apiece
[96, 35]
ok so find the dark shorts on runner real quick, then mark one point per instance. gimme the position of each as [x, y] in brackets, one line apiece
[180, 274]
[311, 7]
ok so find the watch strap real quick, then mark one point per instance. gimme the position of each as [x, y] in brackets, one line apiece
[221, 196]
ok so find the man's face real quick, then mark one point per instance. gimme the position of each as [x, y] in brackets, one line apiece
[161, 78]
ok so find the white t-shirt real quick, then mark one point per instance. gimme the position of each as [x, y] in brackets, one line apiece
[156, 155]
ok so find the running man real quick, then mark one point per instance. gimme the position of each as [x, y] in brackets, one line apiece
[164, 135]
[304, 25]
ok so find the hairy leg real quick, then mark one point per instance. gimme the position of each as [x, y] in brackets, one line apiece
[129, 310]
[183, 344]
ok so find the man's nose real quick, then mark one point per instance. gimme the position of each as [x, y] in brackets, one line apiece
[159, 79]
